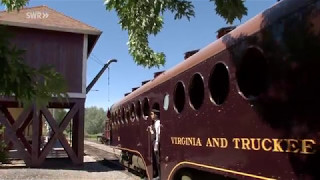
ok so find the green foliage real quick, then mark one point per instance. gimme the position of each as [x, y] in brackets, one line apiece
[145, 17]
[59, 114]
[94, 120]
[27, 84]
[93, 136]
[3, 151]
[230, 9]
[14, 4]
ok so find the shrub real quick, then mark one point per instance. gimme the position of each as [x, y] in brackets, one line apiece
[3, 151]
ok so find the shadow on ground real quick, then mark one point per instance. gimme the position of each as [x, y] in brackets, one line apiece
[66, 164]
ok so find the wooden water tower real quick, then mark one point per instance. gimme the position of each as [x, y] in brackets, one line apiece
[49, 38]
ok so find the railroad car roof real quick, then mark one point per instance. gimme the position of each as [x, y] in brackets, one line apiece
[45, 18]
[250, 27]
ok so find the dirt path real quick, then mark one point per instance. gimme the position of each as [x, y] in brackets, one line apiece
[95, 168]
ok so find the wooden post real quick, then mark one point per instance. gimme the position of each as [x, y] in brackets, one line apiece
[35, 138]
[78, 132]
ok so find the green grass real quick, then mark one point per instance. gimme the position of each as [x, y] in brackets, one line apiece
[92, 137]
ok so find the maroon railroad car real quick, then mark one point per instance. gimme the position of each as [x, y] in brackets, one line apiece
[244, 107]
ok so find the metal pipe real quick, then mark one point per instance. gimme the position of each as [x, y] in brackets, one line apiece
[95, 79]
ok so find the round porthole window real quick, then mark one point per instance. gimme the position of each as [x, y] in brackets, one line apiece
[122, 116]
[196, 91]
[219, 83]
[132, 113]
[146, 108]
[252, 73]
[138, 109]
[179, 97]
[166, 102]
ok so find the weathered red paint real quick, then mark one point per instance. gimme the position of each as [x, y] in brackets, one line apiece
[283, 115]
[61, 50]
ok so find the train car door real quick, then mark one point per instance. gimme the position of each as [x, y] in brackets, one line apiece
[154, 139]
[150, 147]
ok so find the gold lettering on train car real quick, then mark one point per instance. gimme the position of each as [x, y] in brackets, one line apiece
[306, 147]
[245, 143]
[198, 143]
[277, 145]
[209, 144]
[174, 140]
[217, 142]
[253, 144]
[292, 145]
[186, 141]
[224, 143]
[236, 142]
[263, 143]
[190, 141]
[183, 141]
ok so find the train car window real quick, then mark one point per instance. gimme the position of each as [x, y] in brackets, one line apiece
[156, 106]
[127, 114]
[132, 113]
[116, 115]
[146, 108]
[138, 109]
[122, 115]
[112, 118]
[252, 73]
[179, 97]
[219, 83]
[109, 113]
[115, 118]
[166, 102]
[196, 91]
[119, 115]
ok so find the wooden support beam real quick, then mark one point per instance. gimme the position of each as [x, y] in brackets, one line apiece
[32, 155]
[35, 138]
[78, 132]
[58, 134]
[16, 142]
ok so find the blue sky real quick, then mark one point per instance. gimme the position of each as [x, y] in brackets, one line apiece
[177, 37]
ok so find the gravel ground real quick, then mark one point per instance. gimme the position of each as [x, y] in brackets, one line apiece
[93, 168]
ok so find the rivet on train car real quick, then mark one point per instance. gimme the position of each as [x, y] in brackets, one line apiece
[166, 159]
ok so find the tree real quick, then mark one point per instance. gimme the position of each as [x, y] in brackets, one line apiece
[3, 151]
[59, 114]
[94, 120]
[27, 84]
[145, 17]
[14, 4]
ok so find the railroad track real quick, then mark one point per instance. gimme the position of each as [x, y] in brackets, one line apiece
[106, 156]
